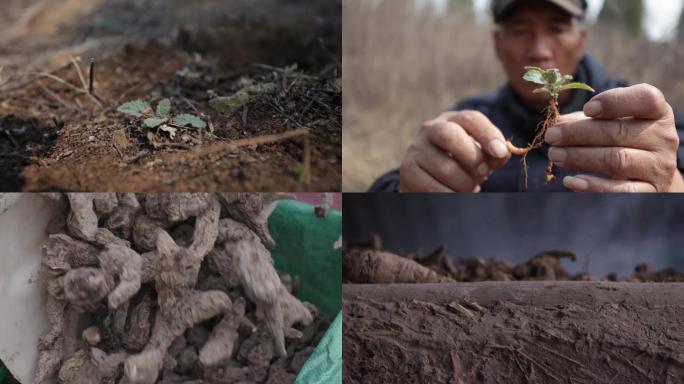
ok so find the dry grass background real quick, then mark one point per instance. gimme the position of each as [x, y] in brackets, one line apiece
[402, 67]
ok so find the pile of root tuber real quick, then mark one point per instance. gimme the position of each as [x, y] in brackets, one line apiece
[366, 263]
[170, 288]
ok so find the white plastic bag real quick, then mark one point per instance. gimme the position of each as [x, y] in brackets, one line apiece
[23, 221]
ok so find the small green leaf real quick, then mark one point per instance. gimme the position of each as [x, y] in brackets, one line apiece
[230, 104]
[541, 90]
[154, 122]
[301, 175]
[188, 119]
[534, 75]
[552, 76]
[577, 86]
[533, 68]
[134, 108]
[163, 108]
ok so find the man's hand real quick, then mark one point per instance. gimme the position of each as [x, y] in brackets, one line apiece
[455, 152]
[626, 134]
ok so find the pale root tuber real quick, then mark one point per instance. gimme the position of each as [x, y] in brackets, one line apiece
[145, 232]
[91, 366]
[181, 307]
[175, 207]
[254, 267]
[122, 218]
[104, 203]
[377, 267]
[222, 341]
[294, 312]
[189, 310]
[84, 287]
[252, 210]
[82, 222]
[126, 265]
[62, 253]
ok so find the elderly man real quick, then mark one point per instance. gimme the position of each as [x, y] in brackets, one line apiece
[623, 139]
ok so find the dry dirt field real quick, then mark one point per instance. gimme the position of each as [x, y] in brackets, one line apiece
[54, 135]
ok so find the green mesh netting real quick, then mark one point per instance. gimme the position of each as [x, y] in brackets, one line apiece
[305, 249]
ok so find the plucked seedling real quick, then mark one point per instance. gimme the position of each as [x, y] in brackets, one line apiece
[161, 118]
[553, 83]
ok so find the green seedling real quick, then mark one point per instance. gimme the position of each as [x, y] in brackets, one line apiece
[161, 118]
[553, 83]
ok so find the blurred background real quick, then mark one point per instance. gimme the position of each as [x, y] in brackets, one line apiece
[609, 234]
[406, 61]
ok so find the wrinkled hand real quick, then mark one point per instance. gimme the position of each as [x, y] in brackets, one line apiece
[455, 152]
[627, 134]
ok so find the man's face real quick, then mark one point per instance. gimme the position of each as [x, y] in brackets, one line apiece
[542, 35]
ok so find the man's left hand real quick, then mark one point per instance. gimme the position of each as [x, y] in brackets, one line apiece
[628, 135]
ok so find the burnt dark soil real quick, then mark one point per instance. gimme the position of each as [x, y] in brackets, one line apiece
[190, 52]
[21, 139]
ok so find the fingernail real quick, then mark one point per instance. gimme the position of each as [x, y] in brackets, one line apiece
[557, 155]
[497, 148]
[593, 108]
[575, 183]
[483, 170]
[553, 135]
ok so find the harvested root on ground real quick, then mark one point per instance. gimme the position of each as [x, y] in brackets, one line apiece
[371, 266]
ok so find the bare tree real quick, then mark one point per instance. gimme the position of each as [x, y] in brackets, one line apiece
[626, 14]
[462, 7]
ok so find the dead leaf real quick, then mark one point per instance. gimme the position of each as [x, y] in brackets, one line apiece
[171, 130]
[152, 138]
[120, 140]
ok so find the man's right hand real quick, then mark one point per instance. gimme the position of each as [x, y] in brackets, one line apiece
[455, 152]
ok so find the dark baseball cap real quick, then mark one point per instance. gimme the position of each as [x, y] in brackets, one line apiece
[500, 8]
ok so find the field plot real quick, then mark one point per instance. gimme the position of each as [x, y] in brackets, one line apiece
[250, 95]
[428, 318]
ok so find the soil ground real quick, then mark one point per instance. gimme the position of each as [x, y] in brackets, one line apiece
[514, 332]
[53, 137]
[530, 325]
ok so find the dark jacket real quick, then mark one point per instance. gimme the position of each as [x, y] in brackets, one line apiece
[507, 112]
